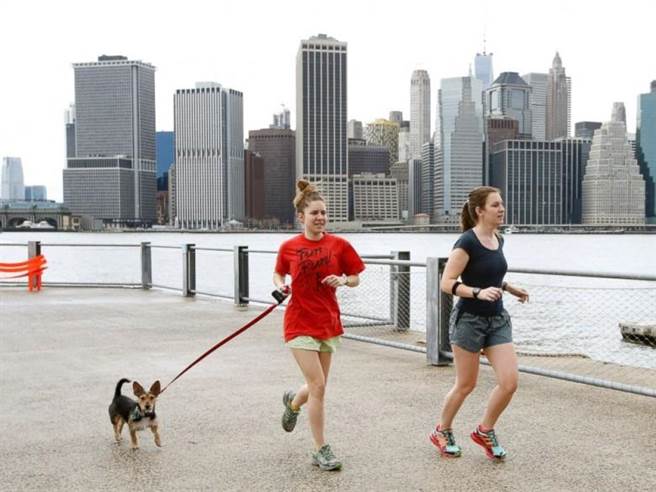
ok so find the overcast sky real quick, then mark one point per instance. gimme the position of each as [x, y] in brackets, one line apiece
[606, 47]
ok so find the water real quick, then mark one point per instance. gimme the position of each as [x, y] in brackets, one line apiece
[565, 315]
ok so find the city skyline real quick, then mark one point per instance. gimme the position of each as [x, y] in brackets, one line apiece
[379, 65]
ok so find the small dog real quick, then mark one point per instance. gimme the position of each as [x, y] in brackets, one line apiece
[137, 414]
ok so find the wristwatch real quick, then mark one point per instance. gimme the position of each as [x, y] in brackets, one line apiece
[476, 291]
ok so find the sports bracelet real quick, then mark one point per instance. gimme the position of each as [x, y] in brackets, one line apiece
[454, 289]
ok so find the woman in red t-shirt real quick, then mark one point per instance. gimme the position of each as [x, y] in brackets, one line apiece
[318, 263]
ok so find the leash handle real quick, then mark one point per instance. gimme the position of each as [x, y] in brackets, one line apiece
[230, 337]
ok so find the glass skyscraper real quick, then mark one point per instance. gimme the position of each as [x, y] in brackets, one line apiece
[646, 148]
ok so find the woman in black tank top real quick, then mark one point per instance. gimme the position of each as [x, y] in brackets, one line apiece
[479, 323]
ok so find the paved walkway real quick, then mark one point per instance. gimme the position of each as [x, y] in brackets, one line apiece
[62, 351]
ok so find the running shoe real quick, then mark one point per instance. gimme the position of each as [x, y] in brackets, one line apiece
[445, 442]
[325, 459]
[488, 441]
[289, 416]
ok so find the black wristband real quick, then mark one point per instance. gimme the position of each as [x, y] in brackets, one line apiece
[504, 286]
[455, 287]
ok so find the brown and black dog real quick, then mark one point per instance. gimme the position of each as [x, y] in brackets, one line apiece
[139, 414]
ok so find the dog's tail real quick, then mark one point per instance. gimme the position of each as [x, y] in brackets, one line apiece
[117, 392]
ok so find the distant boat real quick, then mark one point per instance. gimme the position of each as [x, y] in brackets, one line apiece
[28, 224]
[510, 229]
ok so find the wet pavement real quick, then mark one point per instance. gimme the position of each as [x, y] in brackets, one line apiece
[62, 351]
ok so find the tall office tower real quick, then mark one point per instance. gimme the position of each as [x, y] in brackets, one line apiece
[12, 186]
[384, 132]
[414, 188]
[254, 182]
[559, 100]
[321, 109]
[165, 155]
[420, 125]
[36, 193]
[400, 172]
[538, 103]
[282, 120]
[461, 138]
[483, 69]
[586, 129]
[509, 96]
[540, 181]
[70, 131]
[613, 188]
[396, 116]
[209, 156]
[112, 176]
[427, 179]
[496, 130]
[354, 129]
[277, 147]
[367, 158]
[646, 148]
[375, 198]
[404, 140]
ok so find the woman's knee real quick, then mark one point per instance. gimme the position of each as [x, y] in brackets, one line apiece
[464, 388]
[317, 388]
[509, 384]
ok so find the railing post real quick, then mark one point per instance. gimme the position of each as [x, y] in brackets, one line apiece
[33, 248]
[445, 304]
[146, 266]
[400, 292]
[188, 270]
[241, 276]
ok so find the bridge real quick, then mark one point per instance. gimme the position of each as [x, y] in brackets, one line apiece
[14, 213]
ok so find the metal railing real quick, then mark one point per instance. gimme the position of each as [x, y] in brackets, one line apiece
[579, 326]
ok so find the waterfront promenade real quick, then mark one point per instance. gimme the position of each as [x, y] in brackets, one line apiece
[62, 351]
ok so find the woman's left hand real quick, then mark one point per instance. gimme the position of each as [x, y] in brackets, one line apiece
[334, 281]
[520, 294]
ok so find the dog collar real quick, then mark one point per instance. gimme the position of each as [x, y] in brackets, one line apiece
[136, 414]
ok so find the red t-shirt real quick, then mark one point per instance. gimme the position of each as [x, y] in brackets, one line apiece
[313, 309]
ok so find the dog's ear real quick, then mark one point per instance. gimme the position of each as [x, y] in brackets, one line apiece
[138, 389]
[155, 388]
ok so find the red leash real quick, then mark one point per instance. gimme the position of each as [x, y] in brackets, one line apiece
[279, 297]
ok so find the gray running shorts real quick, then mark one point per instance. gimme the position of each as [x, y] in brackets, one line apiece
[473, 332]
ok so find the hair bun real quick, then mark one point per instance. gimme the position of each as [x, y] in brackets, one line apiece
[302, 184]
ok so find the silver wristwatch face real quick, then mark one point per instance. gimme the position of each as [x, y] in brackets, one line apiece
[476, 291]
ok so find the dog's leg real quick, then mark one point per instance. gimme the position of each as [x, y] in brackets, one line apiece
[155, 430]
[133, 437]
[118, 427]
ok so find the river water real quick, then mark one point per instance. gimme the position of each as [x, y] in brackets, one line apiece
[565, 315]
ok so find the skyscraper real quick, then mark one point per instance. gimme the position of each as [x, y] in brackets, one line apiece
[427, 179]
[165, 152]
[404, 140]
[586, 129]
[538, 103]
[483, 69]
[540, 181]
[646, 143]
[276, 146]
[613, 188]
[420, 125]
[11, 179]
[384, 132]
[112, 175]
[321, 110]
[509, 96]
[460, 165]
[558, 107]
[281, 120]
[209, 156]
[36, 193]
[354, 129]
[396, 116]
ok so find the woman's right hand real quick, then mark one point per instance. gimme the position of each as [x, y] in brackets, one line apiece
[490, 294]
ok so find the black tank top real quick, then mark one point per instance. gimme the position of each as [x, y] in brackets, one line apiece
[485, 268]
